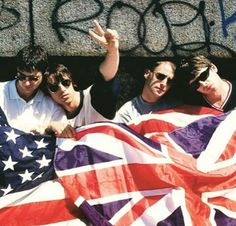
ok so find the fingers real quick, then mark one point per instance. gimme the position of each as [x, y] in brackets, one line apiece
[68, 132]
[98, 28]
[96, 37]
[108, 39]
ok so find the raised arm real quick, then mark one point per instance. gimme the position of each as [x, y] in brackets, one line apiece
[109, 40]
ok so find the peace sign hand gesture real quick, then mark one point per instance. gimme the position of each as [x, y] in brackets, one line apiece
[107, 39]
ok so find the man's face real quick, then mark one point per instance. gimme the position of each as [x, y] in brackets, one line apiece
[205, 81]
[28, 82]
[60, 89]
[160, 79]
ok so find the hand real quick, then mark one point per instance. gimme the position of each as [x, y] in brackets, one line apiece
[62, 130]
[68, 132]
[38, 130]
[56, 127]
[108, 39]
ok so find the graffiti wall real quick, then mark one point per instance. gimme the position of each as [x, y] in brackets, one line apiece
[146, 27]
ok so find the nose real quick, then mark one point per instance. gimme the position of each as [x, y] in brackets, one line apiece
[203, 83]
[61, 87]
[27, 82]
[164, 81]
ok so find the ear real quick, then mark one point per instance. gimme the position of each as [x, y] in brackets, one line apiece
[214, 68]
[146, 73]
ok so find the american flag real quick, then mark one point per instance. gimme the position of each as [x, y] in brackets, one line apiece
[170, 168]
[29, 191]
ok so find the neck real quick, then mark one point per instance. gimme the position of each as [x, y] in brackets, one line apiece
[149, 97]
[219, 96]
[73, 104]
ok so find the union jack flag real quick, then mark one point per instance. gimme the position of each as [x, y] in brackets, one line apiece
[176, 167]
[170, 168]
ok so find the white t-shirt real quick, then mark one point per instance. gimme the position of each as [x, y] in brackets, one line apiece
[25, 116]
[87, 113]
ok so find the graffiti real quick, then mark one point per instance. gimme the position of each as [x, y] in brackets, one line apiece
[59, 25]
[226, 21]
[156, 10]
[144, 36]
[12, 15]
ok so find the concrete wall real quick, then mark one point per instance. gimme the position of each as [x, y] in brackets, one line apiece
[149, 30]
[146, 28]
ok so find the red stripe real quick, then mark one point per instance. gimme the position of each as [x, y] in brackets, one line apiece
[137, 210]
[39, 213]
[198, 211]
[192, 110]
[153, 126]
[224, 202]
[120, 134]
[229, 150]
[157, 125]
[138, 177]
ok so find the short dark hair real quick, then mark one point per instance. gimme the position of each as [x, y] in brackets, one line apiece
[58, 71]
[32, 57]
[190, 67]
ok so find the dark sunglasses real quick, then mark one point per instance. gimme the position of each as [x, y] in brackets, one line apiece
[54, 87]
[161, 77]
[202, 77]
[22, 77]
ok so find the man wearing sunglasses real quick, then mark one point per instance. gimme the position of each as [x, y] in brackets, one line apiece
[159, 79]
[24, 104]
[97, 102]
[205, 86]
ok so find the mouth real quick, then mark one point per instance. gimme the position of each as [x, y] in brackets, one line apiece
[208, 87]
[29, 88]
[64, 96]
[159, 90]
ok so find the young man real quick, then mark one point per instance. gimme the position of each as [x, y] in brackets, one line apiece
[96, 103]
[25, 106]
[207, 88]
[159, 79]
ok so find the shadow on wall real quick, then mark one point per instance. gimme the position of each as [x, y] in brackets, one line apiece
[131, 70]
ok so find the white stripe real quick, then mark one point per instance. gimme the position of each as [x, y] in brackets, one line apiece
[135, 197]
[164, 208]
[79, 201]
[50, 190]
[227, 193]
